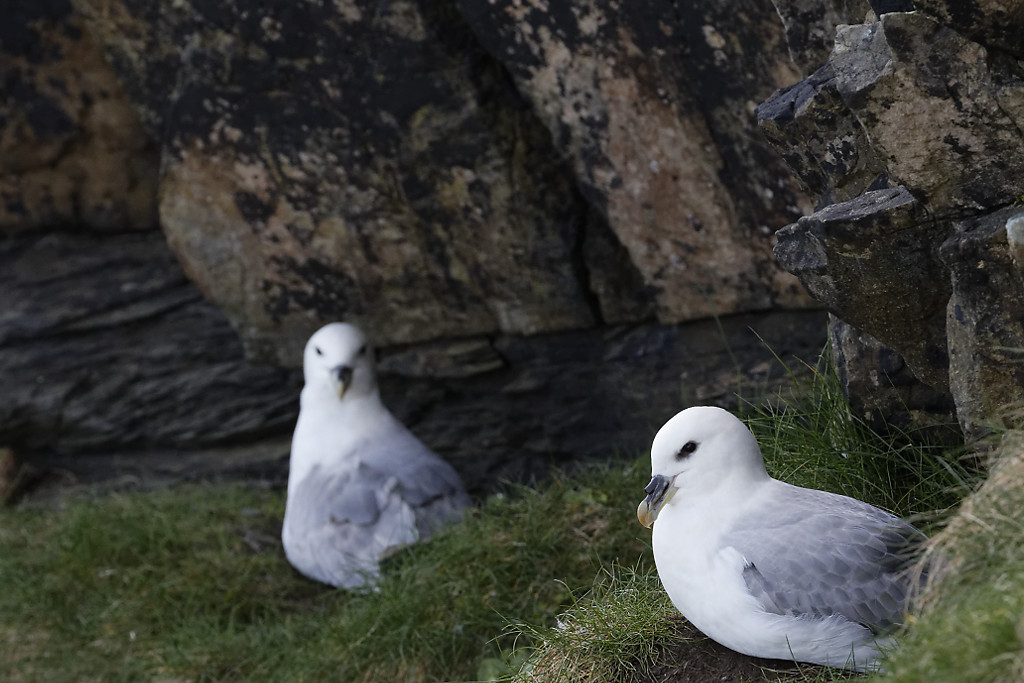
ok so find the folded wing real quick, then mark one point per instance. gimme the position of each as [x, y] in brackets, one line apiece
[393, 493]
[822, 554]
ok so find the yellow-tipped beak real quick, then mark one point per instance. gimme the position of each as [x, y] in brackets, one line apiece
[644, 514]
[659, 492]
[342, 378]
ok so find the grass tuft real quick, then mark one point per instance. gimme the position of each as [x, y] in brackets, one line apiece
[818, 442]
[971, 627]
[617, 632]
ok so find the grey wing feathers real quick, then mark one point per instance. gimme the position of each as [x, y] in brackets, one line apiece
[342, 523]
[829, 554]
[345, 496]
[388, 492]
[428, 484]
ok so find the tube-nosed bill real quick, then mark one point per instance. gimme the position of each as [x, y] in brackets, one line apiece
[341, 377]
[659, 492]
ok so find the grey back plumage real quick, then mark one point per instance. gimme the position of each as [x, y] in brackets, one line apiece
[391, 492]
[826, 554]
[428, 484]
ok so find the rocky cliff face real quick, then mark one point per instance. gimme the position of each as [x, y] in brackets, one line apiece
[500, 193]
[463, 183]
[911, 136]
[105, 346]
[433, 170]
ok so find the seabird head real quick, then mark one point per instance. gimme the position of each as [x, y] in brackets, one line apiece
[339, 358]
[696, 451]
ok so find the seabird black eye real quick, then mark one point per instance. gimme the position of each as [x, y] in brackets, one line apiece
[362, 349]
[318, 351]
[688, 448]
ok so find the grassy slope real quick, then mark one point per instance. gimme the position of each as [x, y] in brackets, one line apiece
[190, 583]
[972, 628]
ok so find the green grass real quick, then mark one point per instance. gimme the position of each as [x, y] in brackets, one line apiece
[817, 441]
[190, 583]
[972, 626]
[625, 630]
[613, 633]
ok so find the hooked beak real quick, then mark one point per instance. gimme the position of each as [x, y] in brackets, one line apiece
[659, 492]
[341, 376]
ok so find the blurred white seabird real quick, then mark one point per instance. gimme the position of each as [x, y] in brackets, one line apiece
[360, 485]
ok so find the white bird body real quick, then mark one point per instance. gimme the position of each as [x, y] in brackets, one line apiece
[318, 431]
[763, 567]
[360, 485]
[704, 579]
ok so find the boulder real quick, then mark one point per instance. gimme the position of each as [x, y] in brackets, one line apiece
[378, 163]
[873, 262]
[653, 109]
[931, 102]
[353, 161]
[823, 144]
[904, 101]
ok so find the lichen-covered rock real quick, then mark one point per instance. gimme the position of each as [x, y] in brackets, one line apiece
[986, 319]
[810, 27]
[375, 162]
[359, 161]
[932, 109]
[823, 144]
[873, 262]
[72, 150]
[653, 108]
[908, 101]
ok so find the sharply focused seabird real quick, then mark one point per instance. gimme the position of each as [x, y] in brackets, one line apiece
[767, 568]
[360, 485]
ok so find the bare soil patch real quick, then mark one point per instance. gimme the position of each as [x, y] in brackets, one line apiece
[698, 659]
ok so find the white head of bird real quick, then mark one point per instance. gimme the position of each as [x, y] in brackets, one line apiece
[696, 453]
[338, 361]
